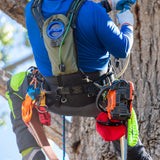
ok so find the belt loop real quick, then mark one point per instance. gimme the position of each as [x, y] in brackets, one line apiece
[70, 89]
[59, 81]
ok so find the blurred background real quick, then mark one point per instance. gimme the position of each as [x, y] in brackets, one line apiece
[15, 56]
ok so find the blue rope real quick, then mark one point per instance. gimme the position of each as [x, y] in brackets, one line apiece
[63, 137]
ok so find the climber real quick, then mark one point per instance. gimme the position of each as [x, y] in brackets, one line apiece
[96, 37]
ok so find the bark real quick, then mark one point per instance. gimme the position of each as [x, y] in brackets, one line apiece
[14, 9]
[83, 142]
[144, 71]
[4, 77]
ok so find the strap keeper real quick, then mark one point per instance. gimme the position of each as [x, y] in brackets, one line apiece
[72, 11]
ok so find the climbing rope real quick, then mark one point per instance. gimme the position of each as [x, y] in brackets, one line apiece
[124, 68]
[63, 137]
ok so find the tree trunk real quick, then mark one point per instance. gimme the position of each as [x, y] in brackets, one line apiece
[144, 71]
[83, 142]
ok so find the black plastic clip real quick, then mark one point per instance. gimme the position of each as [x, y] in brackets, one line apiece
[62, 67]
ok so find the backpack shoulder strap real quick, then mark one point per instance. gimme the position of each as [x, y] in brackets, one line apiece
[74, 10]
[36, 12]
[72, 15]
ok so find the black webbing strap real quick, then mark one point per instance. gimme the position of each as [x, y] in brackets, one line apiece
[80, 89]
[109, 123]
[75, 11]
[70, 8]
[37, 14]
[106, 5]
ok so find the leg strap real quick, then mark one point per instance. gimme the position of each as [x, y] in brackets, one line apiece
[37, 131]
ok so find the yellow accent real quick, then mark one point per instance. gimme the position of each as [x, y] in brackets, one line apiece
[42, 98]
[17, 80]
[26, 151]
[10, 103]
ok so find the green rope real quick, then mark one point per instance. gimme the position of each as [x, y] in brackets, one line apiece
[65, 34]
[133, 132]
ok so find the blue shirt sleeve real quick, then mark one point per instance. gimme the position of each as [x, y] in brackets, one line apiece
[117, 42]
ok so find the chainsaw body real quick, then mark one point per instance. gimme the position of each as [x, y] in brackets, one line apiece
[116, 100]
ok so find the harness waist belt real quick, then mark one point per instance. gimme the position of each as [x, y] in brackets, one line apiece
[74, 89]
[74, 79]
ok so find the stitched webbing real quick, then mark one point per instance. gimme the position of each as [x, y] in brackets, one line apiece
[36, 12]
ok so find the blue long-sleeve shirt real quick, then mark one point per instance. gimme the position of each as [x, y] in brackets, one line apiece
[96, 35]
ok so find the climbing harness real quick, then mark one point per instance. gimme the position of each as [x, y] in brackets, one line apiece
[114, 92]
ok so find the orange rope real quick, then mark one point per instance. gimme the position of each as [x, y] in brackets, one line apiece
[27, 106]
[34, 80]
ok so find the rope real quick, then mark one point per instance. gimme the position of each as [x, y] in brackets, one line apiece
[125, 67]
[63, 137]
[27, 106]
[133, 132]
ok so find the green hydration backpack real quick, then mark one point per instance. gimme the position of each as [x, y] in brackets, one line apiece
[58, 32]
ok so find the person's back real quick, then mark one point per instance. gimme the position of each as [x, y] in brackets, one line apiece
[96, 36]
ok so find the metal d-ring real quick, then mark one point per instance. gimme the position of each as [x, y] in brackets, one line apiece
[42, 111]
[63, 100]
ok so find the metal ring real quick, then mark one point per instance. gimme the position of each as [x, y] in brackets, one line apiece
[63, 100]
[42, 111]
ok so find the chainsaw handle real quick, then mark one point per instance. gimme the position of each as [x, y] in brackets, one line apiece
[98, 105]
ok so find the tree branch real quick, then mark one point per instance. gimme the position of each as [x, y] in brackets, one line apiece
[14, 65]
[15, 9]
[4, 77]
